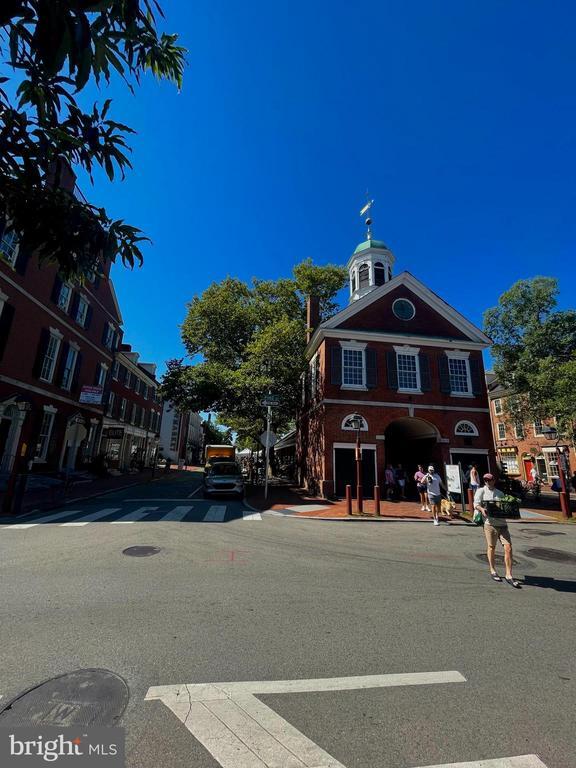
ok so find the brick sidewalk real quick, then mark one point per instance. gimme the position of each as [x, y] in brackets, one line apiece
[284, 497]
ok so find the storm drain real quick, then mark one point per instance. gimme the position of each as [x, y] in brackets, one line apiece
[551, 555]
[498, 559]
[84, 697]
[141, 551]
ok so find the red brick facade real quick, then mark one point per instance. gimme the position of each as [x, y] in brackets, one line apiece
[418, 384]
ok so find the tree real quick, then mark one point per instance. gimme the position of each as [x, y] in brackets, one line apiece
[535, 352]
[56, 47]
[251, 339]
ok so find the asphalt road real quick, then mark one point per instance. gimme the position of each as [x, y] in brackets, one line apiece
[284, 599]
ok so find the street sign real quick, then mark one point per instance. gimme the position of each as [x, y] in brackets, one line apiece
[271, 401]
[453, 481]
[272, 439]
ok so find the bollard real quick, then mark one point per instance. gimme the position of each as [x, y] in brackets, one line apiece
[377, 500]
[349, 499]
[471, 501]
[359, 499]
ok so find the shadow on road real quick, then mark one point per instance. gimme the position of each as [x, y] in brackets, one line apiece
[546, 582]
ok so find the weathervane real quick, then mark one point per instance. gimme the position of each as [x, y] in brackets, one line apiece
[368, 220]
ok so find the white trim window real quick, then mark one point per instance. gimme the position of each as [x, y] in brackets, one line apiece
[82, 311]
[115, 368]
[102, 373]
[144, 391]
[538, 426]
[501, 431]
[510, 464]
[353, 366]
[347, 426]
[110, 406]
[64, 296]
[9, 246]
[137, 385]
[498, 406]
[49, 362]
[45, 433]
[519, 431]
[459, 373]
[466, 429]
[408, 367]
[123, 409]
[109, 337]
[69, 366]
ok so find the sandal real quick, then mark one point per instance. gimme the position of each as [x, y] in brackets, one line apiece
[513, 583]
[495, 577]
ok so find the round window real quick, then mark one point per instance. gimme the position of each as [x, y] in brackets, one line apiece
[404, 309]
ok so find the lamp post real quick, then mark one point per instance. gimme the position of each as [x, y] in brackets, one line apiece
[13, 495]
[550, 433]
[356, 422]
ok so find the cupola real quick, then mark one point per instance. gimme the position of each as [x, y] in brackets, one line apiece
[369, 266]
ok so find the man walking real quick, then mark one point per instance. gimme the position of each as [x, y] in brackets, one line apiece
[495, 528]
[434, 484]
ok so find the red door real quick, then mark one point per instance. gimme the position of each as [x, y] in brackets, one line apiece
[528, 465]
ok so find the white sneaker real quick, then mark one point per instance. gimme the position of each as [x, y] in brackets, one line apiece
[427, 509]
[422, 509]
[436, 522]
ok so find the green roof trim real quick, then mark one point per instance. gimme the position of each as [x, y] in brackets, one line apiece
[370, 244]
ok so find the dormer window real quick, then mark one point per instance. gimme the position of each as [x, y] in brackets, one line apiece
[379, 273]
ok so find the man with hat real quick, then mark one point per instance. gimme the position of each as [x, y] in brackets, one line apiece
[495, 528]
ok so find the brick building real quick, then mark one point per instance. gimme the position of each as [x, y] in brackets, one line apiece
[58, 342]
[408, 363]
[522, 445]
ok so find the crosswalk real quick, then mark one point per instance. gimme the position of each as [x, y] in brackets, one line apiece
[77, 518]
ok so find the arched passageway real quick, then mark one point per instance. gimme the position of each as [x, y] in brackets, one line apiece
[411, 441]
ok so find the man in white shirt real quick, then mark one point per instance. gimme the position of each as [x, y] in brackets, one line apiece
[495, 528]
[434, 484]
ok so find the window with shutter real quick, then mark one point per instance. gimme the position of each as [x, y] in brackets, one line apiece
[336, 365]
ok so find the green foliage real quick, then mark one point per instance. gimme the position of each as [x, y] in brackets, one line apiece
[55, 48]
[251, 339]
[535, 353]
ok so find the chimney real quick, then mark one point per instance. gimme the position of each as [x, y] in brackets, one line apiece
[312, 315]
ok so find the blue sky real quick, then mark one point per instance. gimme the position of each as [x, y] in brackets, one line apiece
[458, 117]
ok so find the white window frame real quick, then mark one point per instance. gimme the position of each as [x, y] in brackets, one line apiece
[503, 430]
[57, 337]
[102, 373]
[354, 346]
[14, 246]
[519, 428]
[49, 410]
[471, 424]
[115, 368]
[137, 385]
[110, 406]
[73, 350]
[536, 432]
[409, 352]
[456, 354]
[363, 428]
[81, 317]
[498, 410]
[122, 411]
[64, 306]
[109, 340]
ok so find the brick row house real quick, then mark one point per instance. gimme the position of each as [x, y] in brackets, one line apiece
[404, 360]
[58, 343]
[521, 445]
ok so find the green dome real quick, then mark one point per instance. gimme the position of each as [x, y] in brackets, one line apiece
[371, 244]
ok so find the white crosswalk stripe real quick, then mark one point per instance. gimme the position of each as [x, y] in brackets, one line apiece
[177, 514]
[46, 519]
[215, 515]
[248, 514]
[133, 517]
[93, 516]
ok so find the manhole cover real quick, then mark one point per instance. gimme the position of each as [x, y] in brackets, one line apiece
[83, 697]
[498, 559]
[141, 551]
[551, 555]
[535, 532]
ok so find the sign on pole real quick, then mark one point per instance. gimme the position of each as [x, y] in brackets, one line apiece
[268, 439]
[271, 401]
[453, 480]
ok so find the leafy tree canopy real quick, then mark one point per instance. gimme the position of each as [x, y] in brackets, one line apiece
[535, 352]
[251, 339]
[55, 48]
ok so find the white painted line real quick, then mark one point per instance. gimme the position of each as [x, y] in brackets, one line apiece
[247, 515]
[307, 508]
[49, 518]
[91, 517]
[165, 499]
[177, 514]
[20, 526]
[522, 761]
[133, 517]
[215, 514]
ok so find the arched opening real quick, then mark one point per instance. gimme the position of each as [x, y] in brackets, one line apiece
[364, 276]
[410, 441]
[379, 274]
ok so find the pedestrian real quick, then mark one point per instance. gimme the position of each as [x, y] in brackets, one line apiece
[474, 478]
[390, 482]
[422, 488]
[495, 528]
[534, 474]
[401, 480]
[434, 485]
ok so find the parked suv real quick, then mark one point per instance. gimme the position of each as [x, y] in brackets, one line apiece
[223, 477]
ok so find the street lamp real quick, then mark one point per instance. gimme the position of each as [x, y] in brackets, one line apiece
[357, 422]
[551, 433]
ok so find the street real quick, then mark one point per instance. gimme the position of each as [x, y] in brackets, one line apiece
[488, 672]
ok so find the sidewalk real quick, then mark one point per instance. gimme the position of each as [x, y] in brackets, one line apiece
[288, 499]
[56, 496]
